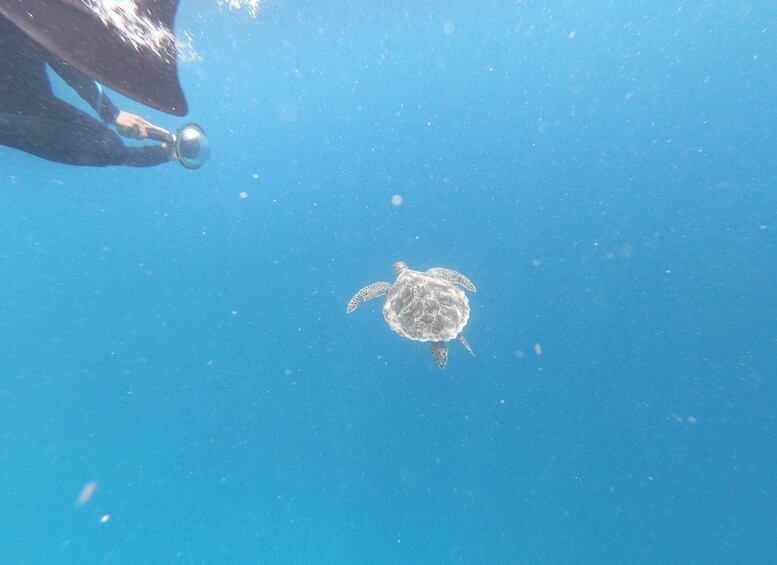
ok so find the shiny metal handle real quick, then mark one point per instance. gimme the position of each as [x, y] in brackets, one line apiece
[160, 134]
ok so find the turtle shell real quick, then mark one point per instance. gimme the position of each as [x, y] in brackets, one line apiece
[425, 308]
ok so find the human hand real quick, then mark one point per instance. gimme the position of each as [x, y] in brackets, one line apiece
[131, 125]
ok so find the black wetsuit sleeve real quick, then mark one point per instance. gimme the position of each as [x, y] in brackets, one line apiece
[87, 89]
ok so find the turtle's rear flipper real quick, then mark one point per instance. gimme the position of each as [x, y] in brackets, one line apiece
[439, 352]
[464, 341]
[368, 293]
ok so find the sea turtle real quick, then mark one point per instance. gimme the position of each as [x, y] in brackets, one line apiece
[423, 306]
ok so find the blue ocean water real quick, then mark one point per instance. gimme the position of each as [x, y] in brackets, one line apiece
[604, 172]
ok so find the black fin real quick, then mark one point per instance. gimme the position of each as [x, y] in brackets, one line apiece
[78, 35]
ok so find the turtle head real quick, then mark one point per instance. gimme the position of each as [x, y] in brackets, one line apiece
[400, 267]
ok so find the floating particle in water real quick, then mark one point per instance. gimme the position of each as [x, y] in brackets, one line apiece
[536, 263]
[243, 195]
[104, 518]
[396, 200]
[287, 112]
[86, 493]
[252, 6]
[537, 349]
[692, 420]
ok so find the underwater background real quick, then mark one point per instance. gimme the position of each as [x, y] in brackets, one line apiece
[176, 343]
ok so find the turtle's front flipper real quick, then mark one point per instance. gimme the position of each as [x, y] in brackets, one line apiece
[452, 276]
[464, 341]
[439, 352]
[367, 293]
